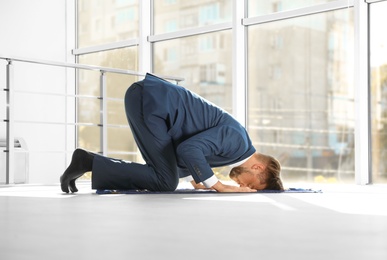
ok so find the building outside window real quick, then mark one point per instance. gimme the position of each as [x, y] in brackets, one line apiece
[301, 95]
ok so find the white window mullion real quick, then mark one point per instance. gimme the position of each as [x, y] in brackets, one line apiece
[70, 79]
[299, 12]
[105, 47]
[239, 62]
[374, 1]
[145, 25]
[363, 165]
[190, 32]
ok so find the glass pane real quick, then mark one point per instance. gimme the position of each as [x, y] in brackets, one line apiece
[301, 96]
[120, 139]
[101, 21]
[121, 142]
[379, 91]
[203, 61]
[88, 111]
[262, 7]
[89, 138]
[116, 113]
[174, 15]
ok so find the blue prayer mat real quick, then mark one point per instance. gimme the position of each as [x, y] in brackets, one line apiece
[192, 191]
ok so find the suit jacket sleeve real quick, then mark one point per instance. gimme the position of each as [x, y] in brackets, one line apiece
[221, 143]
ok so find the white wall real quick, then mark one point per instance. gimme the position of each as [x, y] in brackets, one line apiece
[44, 30]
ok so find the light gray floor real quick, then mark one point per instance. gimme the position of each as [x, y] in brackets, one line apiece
[344, 222]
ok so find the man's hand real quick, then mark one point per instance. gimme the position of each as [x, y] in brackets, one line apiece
[198, 186]
[220, 187]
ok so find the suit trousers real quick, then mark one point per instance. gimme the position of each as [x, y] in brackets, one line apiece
[159, 173]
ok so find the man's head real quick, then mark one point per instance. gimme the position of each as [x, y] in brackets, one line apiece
[260, 172]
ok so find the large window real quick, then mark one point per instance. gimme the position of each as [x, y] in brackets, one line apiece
[378, 46]
[301, 95]
[300, 104]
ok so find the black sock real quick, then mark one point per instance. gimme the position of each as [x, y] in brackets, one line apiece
[84, 158]
[81, 162]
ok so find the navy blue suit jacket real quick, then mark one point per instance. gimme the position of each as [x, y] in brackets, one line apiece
[203, 134]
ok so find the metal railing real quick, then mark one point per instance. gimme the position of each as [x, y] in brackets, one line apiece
[9, 89]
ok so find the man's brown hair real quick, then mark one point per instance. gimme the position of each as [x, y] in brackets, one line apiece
[271, 174]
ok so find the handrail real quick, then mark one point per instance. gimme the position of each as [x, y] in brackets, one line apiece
[9, 89]
[86, 67]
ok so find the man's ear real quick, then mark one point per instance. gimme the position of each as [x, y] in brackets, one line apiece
[258, 166]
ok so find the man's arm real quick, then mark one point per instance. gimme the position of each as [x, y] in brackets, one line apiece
[222, 141]
[220, 187]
